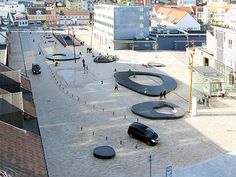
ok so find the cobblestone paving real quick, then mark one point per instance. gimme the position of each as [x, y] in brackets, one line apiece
[71, 107]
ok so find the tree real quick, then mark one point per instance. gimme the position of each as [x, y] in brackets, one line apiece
[155, 47]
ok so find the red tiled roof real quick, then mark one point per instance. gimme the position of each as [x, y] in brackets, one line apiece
[21, 152]
[188, 9]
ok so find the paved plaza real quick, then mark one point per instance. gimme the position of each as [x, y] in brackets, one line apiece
[77, 113]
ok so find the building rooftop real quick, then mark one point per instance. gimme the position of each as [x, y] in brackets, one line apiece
[21, 152]
[35, 10]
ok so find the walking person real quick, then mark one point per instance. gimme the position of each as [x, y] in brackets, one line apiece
[145, 91]
[164, 94]
[207, 100]
[116, 86]
[161, 94]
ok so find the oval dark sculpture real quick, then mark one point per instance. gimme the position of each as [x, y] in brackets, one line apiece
[147, 110]
[105, 59]
[168, 83]
[104, 152]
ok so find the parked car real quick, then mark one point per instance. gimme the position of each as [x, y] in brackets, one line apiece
[144, 133]
[36, 68]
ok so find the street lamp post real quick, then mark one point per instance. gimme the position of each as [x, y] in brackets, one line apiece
[191, 77]
[73, 33]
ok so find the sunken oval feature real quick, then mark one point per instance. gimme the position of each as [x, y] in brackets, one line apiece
[62, 57]
[147, 110]
[104, 152]
[168, 83]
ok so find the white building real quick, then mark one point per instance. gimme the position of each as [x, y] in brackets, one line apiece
[14, 7]
[220, 53]
[113, 23]
[74, 17]
[186, 2]
[20, 20]
[176, 19]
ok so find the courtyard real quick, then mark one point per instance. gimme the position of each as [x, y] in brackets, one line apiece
[76, 113]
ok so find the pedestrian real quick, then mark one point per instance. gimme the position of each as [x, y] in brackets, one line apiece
[203, 101]
[84, 66]
[145, 91]
[164, 94]
[207, 100]
[39, 52]
[116, 86]
[161, 94]
[83, 61]
[101, 81]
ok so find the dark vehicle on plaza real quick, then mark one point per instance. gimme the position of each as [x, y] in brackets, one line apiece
[144, 133]
[36, 68]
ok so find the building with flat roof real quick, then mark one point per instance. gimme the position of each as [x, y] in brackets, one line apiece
[114, 22]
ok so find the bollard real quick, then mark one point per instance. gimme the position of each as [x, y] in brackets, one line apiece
[78, 98]
[72, 95]
[136, 146]
[93, 133]
[113, 113]
[120, 142]
[81, 128]
[106, 138]
[137, 120]
[103, 109]
[85, 102]
[93, 106]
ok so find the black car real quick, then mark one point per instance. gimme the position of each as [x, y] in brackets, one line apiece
[36, 69]
[143, 133]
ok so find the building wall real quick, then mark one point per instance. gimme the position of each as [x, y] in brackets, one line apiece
[74, 19]
[104, 24]
[135, 26]
[37, 17]
[178, 43]
[22, 23]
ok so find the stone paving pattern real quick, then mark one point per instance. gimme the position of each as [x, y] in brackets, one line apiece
[72, 104]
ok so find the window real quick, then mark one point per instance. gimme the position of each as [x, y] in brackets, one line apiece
[141, 9]
[141, 25]
[141, 17]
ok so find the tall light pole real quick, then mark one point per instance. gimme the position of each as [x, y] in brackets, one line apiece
[191, 57]
[74, 43]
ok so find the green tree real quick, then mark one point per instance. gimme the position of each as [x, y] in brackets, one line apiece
[155, 46]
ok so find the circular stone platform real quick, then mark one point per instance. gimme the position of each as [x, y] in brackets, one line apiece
[168, 83]
[147, 110]
[62, 57]
[104, 152]
[105, 59]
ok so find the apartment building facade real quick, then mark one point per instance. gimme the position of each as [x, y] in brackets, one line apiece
[114, 22]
